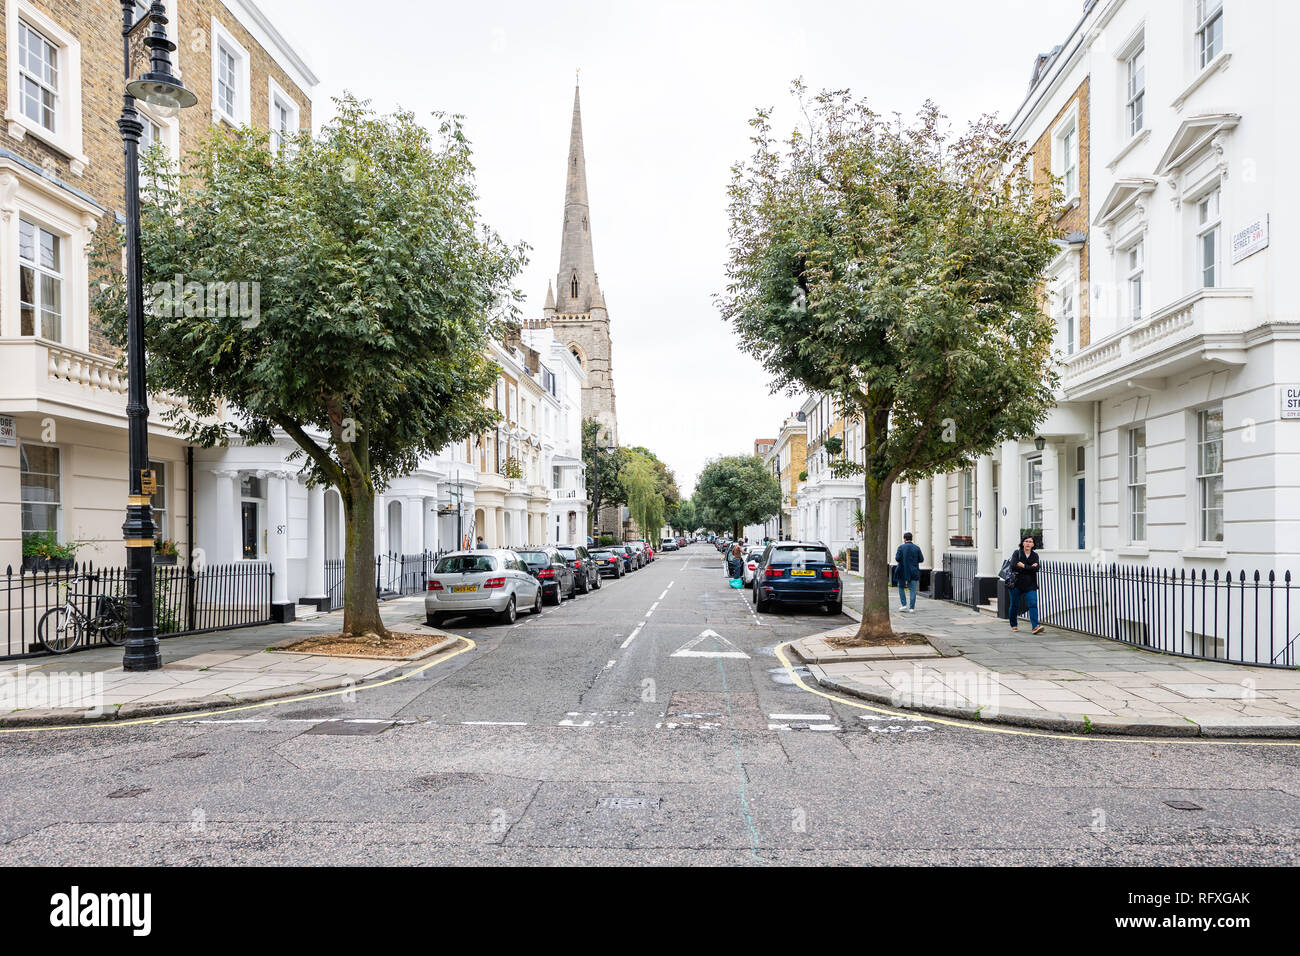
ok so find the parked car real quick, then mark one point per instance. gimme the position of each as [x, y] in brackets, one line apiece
[643, 552]
[797, 572]
[480, 582]
[609, 562]
[553, 572]
[668, 545]
[631, 559]
[584, 568]
[751, 565]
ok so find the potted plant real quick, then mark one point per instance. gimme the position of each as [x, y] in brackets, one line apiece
[165, 551]
[961, 541]
[803, 476]
[42, 552]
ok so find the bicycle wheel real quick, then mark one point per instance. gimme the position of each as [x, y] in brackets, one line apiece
[112, 621]
[60, 630]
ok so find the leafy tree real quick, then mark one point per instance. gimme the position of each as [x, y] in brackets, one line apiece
[665, 480]
[378, 291]
[900, 272]
[644, 500]
[683, 518]
[735, 491]
[604, 465]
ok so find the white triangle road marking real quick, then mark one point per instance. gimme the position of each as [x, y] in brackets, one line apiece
[688, 649]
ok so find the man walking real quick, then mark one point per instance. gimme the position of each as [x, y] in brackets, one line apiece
[1024, 562]
[480, 546]
[908, 559]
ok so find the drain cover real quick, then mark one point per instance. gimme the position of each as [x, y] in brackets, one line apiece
[350, 728]
[628, 803]
[1183, 805]
[128, 792]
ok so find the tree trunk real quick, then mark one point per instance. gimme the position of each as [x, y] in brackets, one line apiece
[360, 599]
[876, 598]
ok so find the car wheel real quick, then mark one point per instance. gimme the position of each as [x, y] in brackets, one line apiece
[573, 589]
[433, 620]
[537, 602]
[761, 606]
[508, 615]
[596, 585]
[836, 608]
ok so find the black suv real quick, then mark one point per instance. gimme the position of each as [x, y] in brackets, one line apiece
[553, 571]
[584, 568]
[609, 562]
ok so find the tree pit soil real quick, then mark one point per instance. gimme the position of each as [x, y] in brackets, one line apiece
[891, 640]
[399, 645]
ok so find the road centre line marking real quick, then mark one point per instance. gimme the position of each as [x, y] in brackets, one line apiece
[1013, 732]
[652, 609]
[632, 637]
[664, 595]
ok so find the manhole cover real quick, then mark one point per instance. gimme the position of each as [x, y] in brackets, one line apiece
[628, 803]
[1183, 805]
[350, 728]
[190, 755]
[128, 792]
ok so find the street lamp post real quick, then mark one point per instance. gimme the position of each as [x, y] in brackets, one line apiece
[159, 87]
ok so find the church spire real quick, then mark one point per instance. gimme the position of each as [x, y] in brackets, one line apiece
[576, 278]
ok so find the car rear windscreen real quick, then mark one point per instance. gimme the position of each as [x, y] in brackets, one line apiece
[464, 563]
[799, 556]
[535, 557]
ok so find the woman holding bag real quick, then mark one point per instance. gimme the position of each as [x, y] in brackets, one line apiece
[1025, 566]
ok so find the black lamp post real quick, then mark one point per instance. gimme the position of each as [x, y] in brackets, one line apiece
[160, 88]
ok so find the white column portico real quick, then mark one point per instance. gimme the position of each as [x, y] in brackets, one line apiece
[924, 520]
[277, 521]
[986, 520]
[315, 570]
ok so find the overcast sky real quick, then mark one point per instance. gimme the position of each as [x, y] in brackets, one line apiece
[667, 88]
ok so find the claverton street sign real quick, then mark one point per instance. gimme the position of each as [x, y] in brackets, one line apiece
[1291, 401]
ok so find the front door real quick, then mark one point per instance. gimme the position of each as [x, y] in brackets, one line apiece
[1080, 499]
[250, 524]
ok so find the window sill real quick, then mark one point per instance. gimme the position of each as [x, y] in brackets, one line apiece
[1204, 554]
[20, 126]
[1133, 551]
[1217, 65]
[1128, 147]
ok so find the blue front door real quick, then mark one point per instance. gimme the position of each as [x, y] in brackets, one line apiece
[1081, 522]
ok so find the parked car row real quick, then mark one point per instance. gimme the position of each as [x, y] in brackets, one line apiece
[505, 582]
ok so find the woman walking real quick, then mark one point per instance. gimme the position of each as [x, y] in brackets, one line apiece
[1024, 562]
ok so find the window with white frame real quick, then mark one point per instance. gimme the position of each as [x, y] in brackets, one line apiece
[1034, 493]
[283, 121]
[39, 488]
[38, 69]
[158, 501]
[1209, 30]
[40, 281]
[1209, 473]
[1066, 156]
[1069, 317]
[230, 84]
[967, 514]
[1135, 270]
[1135, 68]
[1207, 239]
[1137, 484]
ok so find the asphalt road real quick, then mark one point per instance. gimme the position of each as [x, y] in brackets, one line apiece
[599, 733]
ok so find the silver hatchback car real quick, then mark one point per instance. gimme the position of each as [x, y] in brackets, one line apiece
[491, 581]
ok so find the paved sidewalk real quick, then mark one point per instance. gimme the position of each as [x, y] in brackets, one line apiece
[1066, 681]
[201, 671]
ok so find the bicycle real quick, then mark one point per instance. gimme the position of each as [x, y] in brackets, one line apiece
[65, 627]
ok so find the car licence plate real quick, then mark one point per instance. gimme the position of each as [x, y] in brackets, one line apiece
[804, 574]
[464, 589]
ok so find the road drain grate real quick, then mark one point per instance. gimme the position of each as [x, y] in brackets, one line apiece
[190, 755]
[128, 792]
[1183, 805]
[628, 803]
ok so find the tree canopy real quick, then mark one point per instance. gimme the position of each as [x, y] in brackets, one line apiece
[734, 491]
[378, 289]
[899, 271]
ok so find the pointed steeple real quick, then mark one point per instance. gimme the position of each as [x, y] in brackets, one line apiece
[550, 299]
[576, 278]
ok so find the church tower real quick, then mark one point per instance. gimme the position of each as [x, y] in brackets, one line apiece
[575, 306]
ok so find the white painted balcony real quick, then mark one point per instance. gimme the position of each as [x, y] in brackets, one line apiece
[48, 378]
[1205, 329]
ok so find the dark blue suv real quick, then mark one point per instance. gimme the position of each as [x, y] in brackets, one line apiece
[797, 572]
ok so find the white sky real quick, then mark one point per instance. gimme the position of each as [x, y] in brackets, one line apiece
[667, 89]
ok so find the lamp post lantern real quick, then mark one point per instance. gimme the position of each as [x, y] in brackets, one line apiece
[160, 88]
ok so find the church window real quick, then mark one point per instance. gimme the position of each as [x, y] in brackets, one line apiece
[584, 223]
[573, 285]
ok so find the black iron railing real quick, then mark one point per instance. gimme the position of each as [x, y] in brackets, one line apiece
[1246, 618]
[962, 570]
[187, 600]
[395, 575]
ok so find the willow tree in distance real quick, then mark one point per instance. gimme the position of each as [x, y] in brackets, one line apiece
[899, 271]
[379, 290]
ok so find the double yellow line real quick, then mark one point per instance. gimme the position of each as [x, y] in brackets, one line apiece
[192, 715]
[1015, 732]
